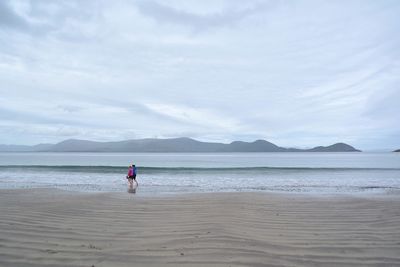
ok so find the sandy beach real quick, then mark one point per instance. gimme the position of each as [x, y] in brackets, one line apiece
[58, 228]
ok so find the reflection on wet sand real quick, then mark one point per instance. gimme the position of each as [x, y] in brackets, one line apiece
[132, 188]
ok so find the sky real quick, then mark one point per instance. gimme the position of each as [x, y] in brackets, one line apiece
[295, 73]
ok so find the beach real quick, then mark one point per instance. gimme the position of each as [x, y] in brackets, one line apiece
[42, 227]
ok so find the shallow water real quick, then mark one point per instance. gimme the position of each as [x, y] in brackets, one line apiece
[324, 173]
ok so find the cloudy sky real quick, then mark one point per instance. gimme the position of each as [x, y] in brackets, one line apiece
[296, 73]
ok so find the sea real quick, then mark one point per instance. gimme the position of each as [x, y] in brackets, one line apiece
[175, 173]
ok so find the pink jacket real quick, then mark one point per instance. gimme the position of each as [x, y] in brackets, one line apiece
[130, 171]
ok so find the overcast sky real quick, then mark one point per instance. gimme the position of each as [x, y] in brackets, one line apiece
[296, 73]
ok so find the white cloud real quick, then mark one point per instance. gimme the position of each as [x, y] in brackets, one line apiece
[196, 116]
[297, 73]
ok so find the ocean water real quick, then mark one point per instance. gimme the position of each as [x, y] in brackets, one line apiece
[166, 173]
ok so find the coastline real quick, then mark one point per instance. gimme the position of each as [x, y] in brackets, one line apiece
[60, 228]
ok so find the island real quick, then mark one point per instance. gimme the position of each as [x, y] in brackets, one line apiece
[171, 145]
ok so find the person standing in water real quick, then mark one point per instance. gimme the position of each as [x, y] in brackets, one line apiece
[134, 172]
[129, 175]
[132, 175]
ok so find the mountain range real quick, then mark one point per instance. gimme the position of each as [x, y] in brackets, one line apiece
[182, 144]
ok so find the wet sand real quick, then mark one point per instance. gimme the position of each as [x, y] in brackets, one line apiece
[57, 228]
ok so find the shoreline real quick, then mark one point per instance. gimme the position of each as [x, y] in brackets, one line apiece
[380, 193]
[61, 228]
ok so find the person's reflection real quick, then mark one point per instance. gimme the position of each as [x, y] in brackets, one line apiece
[132, 188]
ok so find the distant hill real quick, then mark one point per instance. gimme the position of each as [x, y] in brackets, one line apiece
[18, 148]
[398, 150]
[182, 144]
[335, 147]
